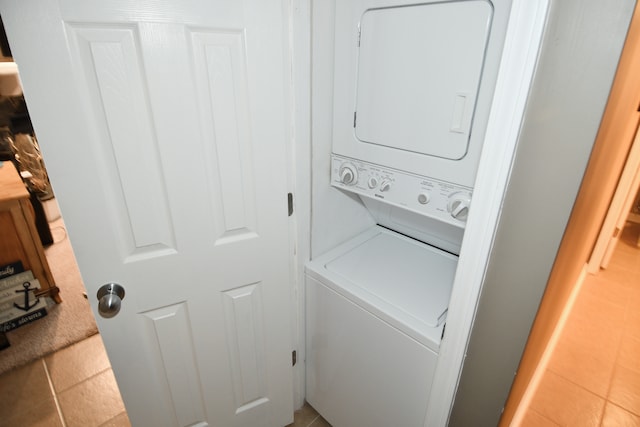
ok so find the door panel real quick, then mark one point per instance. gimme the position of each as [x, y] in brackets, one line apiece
[221, 80]
[176, 354]
[164, 128]
[243, 316]
[108, 59]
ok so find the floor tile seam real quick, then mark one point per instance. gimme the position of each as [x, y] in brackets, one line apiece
[613, 373]
[85, 379]
[617, 359]
[562, 375]
[617, 405]
[604, 408]
[111, 419]
[632, 411]
[54, 394]
[314, 420]
[627, 366]
[541, 415]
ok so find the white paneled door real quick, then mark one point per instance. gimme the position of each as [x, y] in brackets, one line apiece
[164, 127]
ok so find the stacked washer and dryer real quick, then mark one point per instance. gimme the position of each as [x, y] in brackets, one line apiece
[413, 86]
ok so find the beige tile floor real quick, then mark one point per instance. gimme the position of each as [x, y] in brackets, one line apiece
[308, 417]
[75, 387]
[72, 387]
[593, 378]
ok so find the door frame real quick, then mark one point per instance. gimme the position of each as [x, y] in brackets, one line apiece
[300, 174]
[618, 210]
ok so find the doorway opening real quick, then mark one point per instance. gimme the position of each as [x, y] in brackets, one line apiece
[60, 356]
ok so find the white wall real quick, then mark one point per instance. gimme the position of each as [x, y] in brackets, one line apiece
[325, 216]
[335, 216]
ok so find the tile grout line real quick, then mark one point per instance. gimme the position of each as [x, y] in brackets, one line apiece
[607, 401]
[111, 419]
[622, 326]
[313, 421]
[541, 415]
[86, 379]
[53, 393]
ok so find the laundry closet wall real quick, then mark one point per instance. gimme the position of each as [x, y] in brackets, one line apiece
[336, 216]
[578, 59]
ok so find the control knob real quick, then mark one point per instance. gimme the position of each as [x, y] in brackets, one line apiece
[458, 205]
[385, 185]
[348, 174]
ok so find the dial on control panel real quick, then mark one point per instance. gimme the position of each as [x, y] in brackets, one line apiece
[348, 174]
[458, 205]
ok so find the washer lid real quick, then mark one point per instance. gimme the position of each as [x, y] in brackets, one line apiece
[411, 276]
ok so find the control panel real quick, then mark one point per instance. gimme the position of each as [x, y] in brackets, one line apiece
[427, 196]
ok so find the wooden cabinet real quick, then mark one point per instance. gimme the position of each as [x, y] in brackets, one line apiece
[19, 239]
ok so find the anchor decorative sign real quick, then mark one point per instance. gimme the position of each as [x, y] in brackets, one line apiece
[27, 288]
[19, 303]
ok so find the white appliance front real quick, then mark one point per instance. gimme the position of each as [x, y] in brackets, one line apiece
[376, 307]
[413, 86]
[413, 83]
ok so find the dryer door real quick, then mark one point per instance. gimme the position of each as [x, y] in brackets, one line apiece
[419, 70]
[414, 82]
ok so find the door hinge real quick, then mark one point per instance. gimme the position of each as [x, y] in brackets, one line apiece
[443, 329]
[354, 119]
[359, 35]
[616, 232]
[294, 357]
[290, 203]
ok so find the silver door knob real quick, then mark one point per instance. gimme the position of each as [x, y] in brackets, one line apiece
[110, 298]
